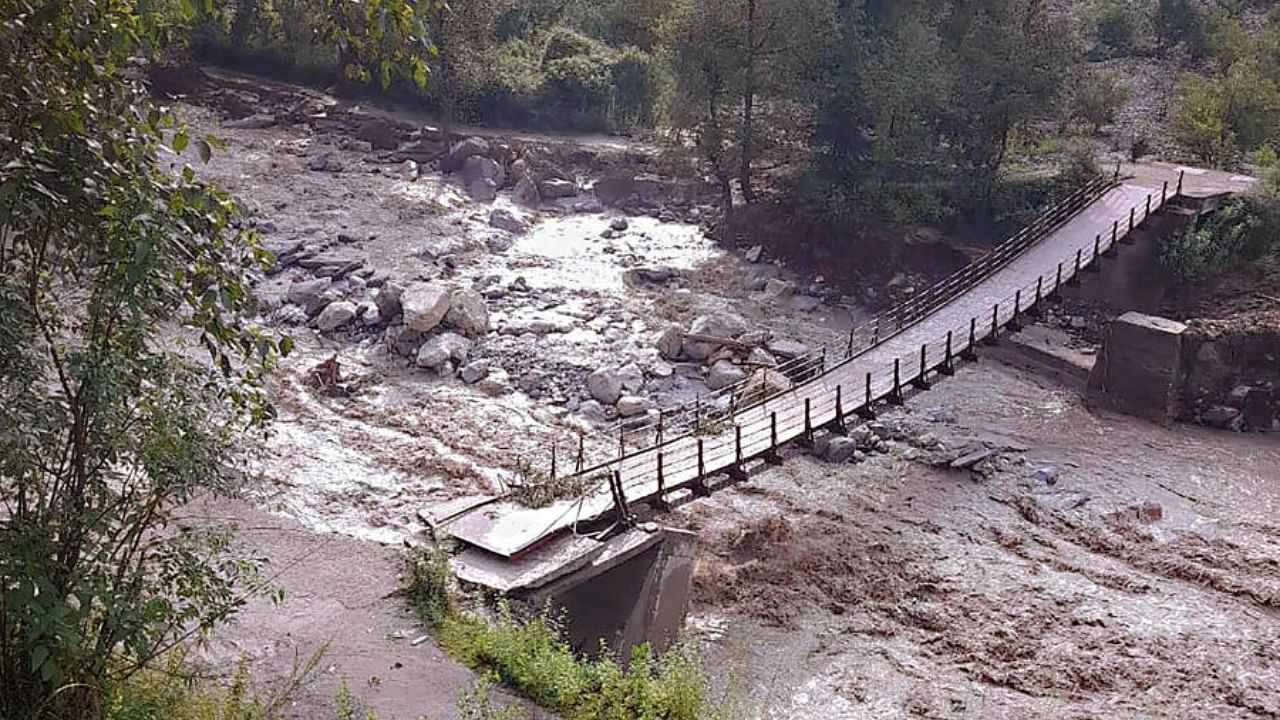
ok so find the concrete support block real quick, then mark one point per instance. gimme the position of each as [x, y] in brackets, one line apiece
[1139, 370]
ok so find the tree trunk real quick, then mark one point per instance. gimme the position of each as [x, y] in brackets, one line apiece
[747, 142]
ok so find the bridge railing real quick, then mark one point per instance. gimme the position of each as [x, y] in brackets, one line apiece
[820, 403]
[697, 436]
[629, 435]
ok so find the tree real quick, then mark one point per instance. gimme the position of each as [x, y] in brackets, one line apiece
[1099, 97]
[1175, 21]
[728, 55]
[1012, 58]
[113, 275]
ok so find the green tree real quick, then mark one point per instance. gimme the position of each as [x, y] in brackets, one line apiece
[727, 55]
[1099, 97]
[1175, 22]
[1200, 120]
[114, 276]
[1122, 25]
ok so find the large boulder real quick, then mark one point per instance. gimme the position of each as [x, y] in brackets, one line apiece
[555, 188]
[335, 315]
[788, 349]
[633, 405]
[468, 313]
[463, 149]
[671, 343]
[526, 193]
[723, 374]
[758, 276]
[441, 352]
[764, 383]
[506, 220]
[387, 298]
[425, 306]
[312, 295]
[483, 191]
[478, 168]
[608, 384]
[721, 325]
[404, 342]
[379, 133]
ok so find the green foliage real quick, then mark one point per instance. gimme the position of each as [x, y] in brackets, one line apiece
[1099, 97]
[1265, 157]
[1122, 25]
[1220, 36]
[1245, 231]
[427, 589]
[1176, 21]
[636, 85]
[171, 692]
[113, 275]
[532, 658]
[1200, 120]
[475, 704]
[1217, 117]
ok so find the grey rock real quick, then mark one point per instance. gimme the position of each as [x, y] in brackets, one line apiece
[723, 374]
[753, 253]
[555, 188]
[788, 349]
[498, 243]
[605, 386]
[779, 289]
[310, 294]
[505, 220]
[402, 341]
[468, 313]
[479, 168]
[325, 162]
[633, 405]
[1046, 475]
[619, 224]
[475, 372]
[425, 306]
[483, 191]
[526, 193]
[335, 315]
[496, 383]
[253, 122]
[439, 352]
[760, 356]
[805, 303]
[840, 450]
[758, 276]
[463, 149]
[1221, 416]
[671, 343]
[369, 314]
[379, 133]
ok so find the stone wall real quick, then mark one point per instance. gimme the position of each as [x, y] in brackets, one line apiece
[1139, 370]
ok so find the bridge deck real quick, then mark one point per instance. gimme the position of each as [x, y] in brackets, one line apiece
[508, 529]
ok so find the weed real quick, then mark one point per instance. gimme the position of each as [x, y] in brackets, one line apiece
[427, 590]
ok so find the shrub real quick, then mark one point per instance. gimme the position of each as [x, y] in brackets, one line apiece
[1245, 231]
[1099, 97]
[1220, 36]
[1200, 120]
[1176, 21]
[635, 88]
[1121, 26]
[427, 590]
[565, 43]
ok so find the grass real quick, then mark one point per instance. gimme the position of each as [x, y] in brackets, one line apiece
[172, 692]
[532, 658]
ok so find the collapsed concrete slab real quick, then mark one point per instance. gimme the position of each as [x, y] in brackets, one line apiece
[1139, 370]
[630, 589]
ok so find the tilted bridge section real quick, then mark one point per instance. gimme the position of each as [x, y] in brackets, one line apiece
[908, 346]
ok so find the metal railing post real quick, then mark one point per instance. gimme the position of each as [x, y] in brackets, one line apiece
[1181, 175]
[1075, 279]
[895, 398]
[840, 428]
[1014, 323]
[553, 461]
[867, 412]
[700, 482]
[971, 352]
[948, 364]
[662, 482]
[994, 337]
[922, 381]
[808, 423]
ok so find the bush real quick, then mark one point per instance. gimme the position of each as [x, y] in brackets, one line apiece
[1121, 26]
[1176, 21]
[1220, 36]
[427, 590]
[565, 43]
[1200, 120]
[635, 88]
[1099, 97]
[1245, 231]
